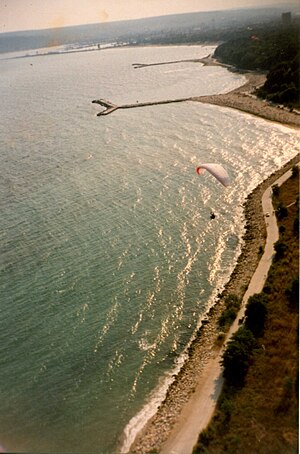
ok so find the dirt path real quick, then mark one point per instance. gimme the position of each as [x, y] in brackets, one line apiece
[193, 375]
[202, 370]
[198, 411]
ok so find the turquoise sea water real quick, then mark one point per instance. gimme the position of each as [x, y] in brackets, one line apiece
[108, 254]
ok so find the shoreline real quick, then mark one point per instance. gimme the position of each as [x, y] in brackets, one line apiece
[244, 100]
[203, 348]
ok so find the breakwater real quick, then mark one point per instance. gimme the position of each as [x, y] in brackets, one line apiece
[110, 107]
[206, 61]
[145, 65]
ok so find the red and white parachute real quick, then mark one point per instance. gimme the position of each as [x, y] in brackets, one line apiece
[217, 171]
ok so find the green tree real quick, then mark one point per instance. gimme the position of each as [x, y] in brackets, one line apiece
[281, 212]
[275, 190]
[256, 312]
[237, 356]
[280, 249]
[232, 305]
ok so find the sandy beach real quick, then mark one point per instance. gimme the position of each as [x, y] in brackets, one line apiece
[244, 99]
[204, 347]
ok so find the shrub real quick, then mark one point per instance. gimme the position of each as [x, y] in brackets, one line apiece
[267, 289]
[281, 212]
[237, 356]
[275, 190]
[282, 229]
[226, 406]
[232, 305]
[232, 300]
[286, 395]
[220, 338]
[227, 317]
[256, 312]
[280, 249]
[204, 439]
[292, 294]
[295, 171]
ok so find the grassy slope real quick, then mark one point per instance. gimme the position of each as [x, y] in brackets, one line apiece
[262, 417]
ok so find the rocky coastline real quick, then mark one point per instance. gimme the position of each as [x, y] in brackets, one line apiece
[205, 346]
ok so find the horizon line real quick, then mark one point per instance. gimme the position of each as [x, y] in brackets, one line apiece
[275, 6]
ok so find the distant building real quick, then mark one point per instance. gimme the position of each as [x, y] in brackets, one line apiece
[286, 18]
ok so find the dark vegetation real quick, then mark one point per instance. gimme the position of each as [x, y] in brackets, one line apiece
[238, 356]
[257, 412]
[274, 48]
[232, 305]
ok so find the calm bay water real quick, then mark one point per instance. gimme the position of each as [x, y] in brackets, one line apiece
[108, 254]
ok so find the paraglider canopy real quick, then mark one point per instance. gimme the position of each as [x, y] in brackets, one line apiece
[217, 171]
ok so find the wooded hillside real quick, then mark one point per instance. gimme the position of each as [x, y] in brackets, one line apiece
[275, 49]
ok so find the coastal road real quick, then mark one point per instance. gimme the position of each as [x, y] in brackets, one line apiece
[198, 411]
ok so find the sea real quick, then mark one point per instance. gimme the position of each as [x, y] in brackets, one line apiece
[109, 258]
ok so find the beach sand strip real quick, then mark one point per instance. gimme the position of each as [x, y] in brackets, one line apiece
[243, 98]
[205, 347]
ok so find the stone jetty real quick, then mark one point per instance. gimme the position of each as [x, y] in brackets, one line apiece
[145, 65]
[110, 107]
[206, 61]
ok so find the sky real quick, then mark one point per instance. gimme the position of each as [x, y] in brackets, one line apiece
[34, 14]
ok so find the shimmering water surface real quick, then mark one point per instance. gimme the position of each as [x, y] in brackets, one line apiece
[108, 254]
